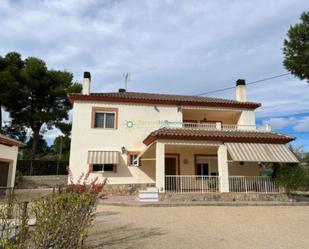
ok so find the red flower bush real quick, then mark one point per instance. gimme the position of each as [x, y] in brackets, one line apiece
[84, 185]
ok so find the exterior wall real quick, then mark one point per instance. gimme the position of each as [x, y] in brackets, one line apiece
[9, 154]
[247, 119]
[247, 169]
[187, 157]
[145, 118]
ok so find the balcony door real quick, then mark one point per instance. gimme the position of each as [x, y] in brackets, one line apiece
[170, 165]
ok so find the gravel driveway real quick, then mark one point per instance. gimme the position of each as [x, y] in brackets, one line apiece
[200, 227]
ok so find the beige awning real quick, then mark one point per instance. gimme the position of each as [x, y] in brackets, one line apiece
[253, 152]
[99, 156]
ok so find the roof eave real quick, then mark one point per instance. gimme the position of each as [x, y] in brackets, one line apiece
[243, 105]
[11, 143]
[151, 138]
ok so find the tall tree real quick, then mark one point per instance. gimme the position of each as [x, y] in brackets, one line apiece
[10, 67]
[296, 48]
[40, 98]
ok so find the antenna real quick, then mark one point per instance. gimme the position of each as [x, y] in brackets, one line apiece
[126, 77]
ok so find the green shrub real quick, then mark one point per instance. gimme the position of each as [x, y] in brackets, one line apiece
[62, 220]
[293, 178]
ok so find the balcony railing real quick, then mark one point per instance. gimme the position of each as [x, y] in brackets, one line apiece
[191, 183]
[253, 184]
[210, 184]
[216, 126]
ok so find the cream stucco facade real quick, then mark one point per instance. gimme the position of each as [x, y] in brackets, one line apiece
[145, 119]
[8, 157]
[166, 135]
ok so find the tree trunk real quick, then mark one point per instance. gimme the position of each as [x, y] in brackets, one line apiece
[36, 134]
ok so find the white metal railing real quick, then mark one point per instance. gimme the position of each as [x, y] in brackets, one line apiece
[191, 183]
[203, 126]
[215, 126]
[255, 184]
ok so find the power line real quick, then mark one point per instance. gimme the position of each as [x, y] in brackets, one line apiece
[250, 83]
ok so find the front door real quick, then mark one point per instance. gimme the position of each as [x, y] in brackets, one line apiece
[170, 165]
[4, 171]
[170, 170]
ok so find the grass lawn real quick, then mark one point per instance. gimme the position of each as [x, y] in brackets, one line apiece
[200, 227]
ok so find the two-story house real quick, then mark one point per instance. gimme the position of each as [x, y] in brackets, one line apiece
[177, 143]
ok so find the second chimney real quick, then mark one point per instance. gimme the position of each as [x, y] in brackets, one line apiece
[241, 90]
[86, 83]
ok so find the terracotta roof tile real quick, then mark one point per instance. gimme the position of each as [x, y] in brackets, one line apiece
[157, 98]
[217, 135]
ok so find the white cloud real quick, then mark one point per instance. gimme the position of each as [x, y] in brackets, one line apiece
[183, 47]
[296, 123]
[302, 125]
[5, 117]
[50, 135]
[277, 123]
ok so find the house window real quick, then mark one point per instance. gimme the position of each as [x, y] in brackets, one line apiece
[202, 169]
[103, 167]
[105, 118]
[132, 156]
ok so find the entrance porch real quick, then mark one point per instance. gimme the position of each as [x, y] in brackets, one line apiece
[205, 167]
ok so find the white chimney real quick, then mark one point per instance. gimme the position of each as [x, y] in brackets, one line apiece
[241, 90]
[86, 83]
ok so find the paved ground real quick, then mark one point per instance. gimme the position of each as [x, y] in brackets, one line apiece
[200, 227]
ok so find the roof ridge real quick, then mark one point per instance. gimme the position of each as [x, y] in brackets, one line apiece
[168, 94]
[163, 98]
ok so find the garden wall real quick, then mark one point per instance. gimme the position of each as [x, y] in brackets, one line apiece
[48, 181]
[189, 197]
[125, 189]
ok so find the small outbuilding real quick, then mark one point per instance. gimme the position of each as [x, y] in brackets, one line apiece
[8, 159]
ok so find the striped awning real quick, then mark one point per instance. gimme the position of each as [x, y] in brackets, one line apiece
[253, 152]
[104, 157]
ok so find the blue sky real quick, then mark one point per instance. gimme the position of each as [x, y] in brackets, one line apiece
[172, 46]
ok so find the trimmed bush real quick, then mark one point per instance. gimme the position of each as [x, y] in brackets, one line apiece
[293, 178]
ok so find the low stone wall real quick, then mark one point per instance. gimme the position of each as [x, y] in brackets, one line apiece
[48, 181]
[190, 197]
[33, 194]
[125, 189]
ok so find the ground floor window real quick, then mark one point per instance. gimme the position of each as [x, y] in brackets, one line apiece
[206, 165]
[104, 167]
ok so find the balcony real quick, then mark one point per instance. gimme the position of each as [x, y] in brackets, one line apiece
[216, 126]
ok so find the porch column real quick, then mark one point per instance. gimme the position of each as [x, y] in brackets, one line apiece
[223, 169]
[160, 166]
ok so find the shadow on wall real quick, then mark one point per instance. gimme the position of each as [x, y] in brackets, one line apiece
[149, 168]
[122, 170]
